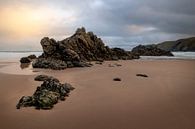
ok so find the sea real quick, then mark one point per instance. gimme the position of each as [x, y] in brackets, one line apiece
[177, 56]
[9, 55]
[12, 55]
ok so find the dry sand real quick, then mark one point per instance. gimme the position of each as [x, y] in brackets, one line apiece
[164, 100]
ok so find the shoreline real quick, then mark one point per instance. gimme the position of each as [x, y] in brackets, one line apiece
[163, 100]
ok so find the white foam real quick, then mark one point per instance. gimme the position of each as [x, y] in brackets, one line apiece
[177, 55]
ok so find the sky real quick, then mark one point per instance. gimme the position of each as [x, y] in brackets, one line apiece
[120, 23]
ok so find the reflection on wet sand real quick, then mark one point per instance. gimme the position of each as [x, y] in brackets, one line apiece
[24, 65]
[18, 69]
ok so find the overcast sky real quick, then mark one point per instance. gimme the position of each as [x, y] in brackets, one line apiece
[123, 23]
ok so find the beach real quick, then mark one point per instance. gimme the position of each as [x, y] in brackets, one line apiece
[164, 100]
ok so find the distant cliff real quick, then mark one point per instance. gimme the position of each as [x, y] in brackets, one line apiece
[187, 44]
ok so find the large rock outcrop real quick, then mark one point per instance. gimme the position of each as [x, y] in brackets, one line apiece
[187, 44]
[46, 95]
[76, 50]
[150, 50]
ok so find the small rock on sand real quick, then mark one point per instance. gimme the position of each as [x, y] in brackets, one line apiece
[117, 79]
[141, 75]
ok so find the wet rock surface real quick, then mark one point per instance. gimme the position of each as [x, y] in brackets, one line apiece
[76, 50]
[150, 50]
[46, 95]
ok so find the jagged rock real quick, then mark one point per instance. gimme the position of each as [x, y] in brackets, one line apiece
[76, 50]
[45, 77]
[150, 50]
[25, 60]
[47, 94]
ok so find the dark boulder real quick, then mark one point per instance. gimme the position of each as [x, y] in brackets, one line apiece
[117, 79]
[25, 60]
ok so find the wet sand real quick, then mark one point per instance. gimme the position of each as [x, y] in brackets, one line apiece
[164, 100]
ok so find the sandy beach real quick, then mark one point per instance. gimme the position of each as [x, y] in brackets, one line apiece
[164, 100]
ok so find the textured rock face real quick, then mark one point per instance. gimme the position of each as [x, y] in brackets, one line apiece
[48, 45]
[47, 94]
[52, 63]
[76, 50]
[150, 50]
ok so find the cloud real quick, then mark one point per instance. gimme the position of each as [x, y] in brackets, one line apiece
[124, 22]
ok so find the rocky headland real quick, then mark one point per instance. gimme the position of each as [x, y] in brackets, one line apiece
[186, 45]
[150, 50]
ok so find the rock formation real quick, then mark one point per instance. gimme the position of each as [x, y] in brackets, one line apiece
[150, 50]
[47, 94]
[187, 44]
[76, 51]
